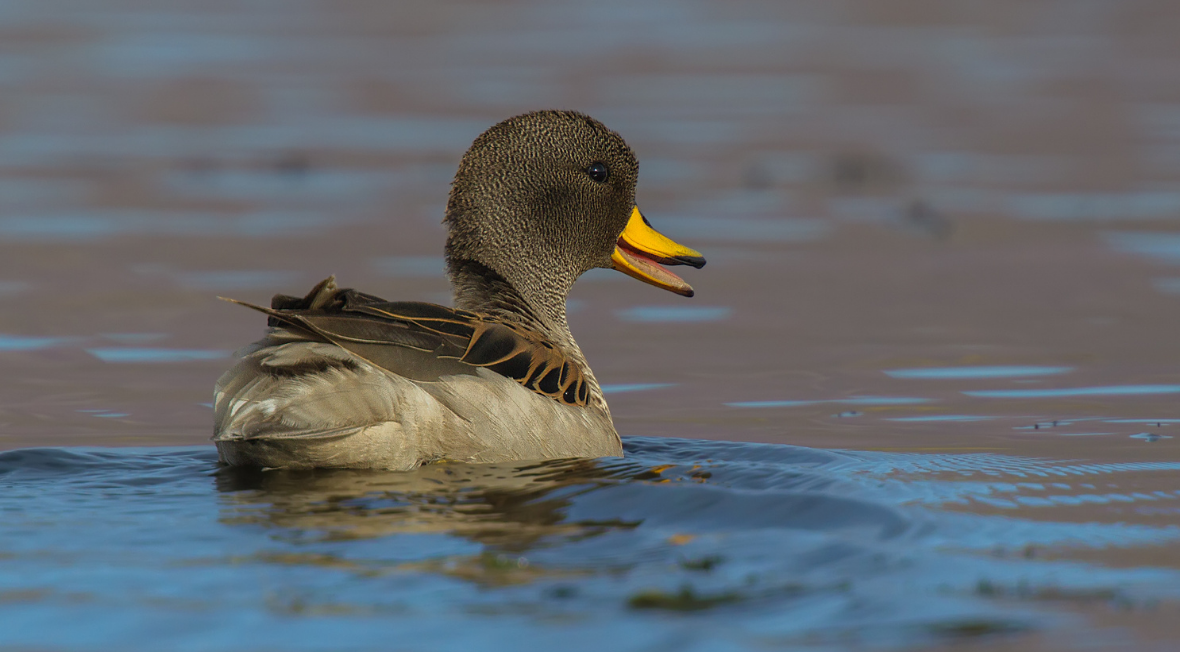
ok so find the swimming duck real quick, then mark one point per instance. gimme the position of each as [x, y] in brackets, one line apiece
[346, 379]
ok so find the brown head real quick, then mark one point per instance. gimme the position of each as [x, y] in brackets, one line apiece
[538, 200]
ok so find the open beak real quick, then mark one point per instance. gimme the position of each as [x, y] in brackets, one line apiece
[641, 252]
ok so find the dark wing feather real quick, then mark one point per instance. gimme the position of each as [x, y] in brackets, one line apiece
[367, 326]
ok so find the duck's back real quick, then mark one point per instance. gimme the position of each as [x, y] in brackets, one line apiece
[347, 380]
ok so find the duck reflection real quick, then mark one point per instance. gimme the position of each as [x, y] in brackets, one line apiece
[509, 508]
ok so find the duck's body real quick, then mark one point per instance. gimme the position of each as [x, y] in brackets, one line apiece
[345, 379]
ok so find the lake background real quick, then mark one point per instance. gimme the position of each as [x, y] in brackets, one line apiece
[946, 233]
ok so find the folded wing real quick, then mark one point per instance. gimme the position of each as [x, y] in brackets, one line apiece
[379, 331]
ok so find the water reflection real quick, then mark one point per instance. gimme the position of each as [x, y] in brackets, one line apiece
[1143, 205]
[287, 182]
[510, 506]
[1150, 436]
[852, 400]
[1113, 390]
[44, 147]
[519, 508]
[22, 193]
[948, 373]
[97, 225]
[26, 343]
[1162, 247]
[136, 355]
[657, 314]
[934, 418]
[105, 414]
[624, 388]
[798, 544]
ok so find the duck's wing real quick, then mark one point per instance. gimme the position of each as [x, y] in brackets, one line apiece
[380, 331]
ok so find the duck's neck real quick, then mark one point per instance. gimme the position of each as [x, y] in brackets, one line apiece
[479, 289]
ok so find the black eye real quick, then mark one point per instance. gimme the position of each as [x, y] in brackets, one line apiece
[598, 172]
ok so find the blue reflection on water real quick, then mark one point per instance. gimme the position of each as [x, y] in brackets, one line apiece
[24, 343]
[1164, 247]
[854, 400]
[675, 313]
[332, 132]
[947, 373]
[1113, 390]
[20, 193]
[132, 355]
[147, 53]
[634, 387]
[942, 417]
[106, 224]
[1150, 436]
[268, 185]
[1144, 205]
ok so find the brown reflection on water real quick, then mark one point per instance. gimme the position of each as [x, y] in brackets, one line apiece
[510, 508]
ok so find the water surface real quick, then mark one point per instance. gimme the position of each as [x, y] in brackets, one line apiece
[688, 544]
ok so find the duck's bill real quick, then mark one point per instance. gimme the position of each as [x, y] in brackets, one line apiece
[642, 251]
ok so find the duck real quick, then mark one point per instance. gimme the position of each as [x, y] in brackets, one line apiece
[344, 379]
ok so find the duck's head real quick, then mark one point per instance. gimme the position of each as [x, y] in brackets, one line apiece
[543, 197]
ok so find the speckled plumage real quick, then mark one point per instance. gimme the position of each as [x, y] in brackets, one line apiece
[338, 383]
[537, 222]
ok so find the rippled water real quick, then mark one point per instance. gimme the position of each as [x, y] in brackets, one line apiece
[683, 544]
[942, 293]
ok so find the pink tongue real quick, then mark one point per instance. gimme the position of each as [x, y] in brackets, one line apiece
[654, 269]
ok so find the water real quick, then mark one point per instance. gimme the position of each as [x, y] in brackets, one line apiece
[945, 373]
[929, 377]
[691, 544]
[675, 313]
[1118, 390]
[852, 400]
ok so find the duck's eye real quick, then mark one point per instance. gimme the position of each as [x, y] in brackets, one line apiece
[598, 172]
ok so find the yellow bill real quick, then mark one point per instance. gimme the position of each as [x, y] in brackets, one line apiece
[642, 251]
